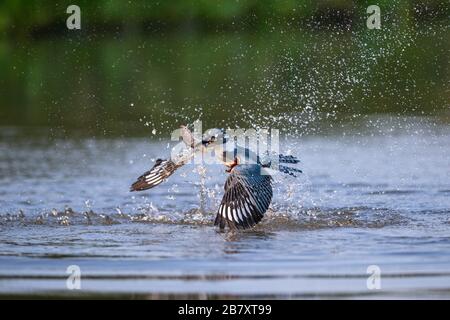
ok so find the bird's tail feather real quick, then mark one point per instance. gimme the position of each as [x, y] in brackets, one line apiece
[288, 159]
[290, 171]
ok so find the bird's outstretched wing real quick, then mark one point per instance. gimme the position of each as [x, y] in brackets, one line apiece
[247, 197]
[160, 172]
[163, 169]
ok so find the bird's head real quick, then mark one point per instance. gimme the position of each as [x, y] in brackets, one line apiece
[213, 137]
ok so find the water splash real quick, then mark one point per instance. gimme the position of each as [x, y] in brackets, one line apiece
[287, 218]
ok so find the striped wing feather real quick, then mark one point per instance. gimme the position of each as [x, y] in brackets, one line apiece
[159, 173]
[247, 197]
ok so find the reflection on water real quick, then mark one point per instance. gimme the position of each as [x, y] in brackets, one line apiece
[364, 199]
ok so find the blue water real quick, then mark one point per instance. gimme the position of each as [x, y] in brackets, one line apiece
[373, 196]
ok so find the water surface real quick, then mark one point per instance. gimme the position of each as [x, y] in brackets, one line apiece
[379, 197]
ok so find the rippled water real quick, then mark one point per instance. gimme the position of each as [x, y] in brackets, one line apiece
[381, 197]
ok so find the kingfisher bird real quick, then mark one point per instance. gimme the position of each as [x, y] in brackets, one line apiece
[248, 188]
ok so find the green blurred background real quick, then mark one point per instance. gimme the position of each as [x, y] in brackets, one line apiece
[137, 66]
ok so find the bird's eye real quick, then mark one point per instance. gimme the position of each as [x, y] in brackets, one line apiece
[213, 138]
